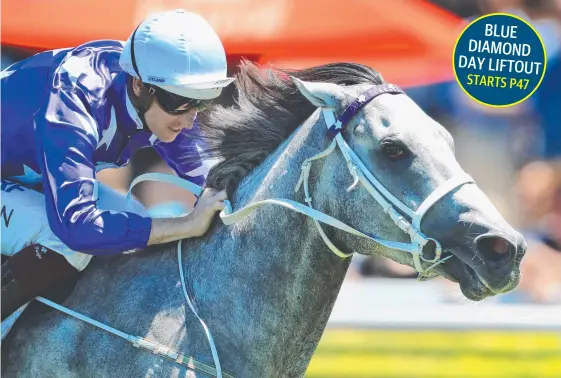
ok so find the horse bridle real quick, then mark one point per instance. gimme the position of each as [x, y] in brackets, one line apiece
[389, 203]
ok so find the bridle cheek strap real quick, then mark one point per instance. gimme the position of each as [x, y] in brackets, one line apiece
[389, 203]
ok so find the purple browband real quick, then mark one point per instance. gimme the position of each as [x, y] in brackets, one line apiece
[358, 103]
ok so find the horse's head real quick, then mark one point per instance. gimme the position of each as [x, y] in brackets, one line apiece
[412, 156]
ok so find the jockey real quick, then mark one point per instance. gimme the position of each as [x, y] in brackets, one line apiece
[68, 113]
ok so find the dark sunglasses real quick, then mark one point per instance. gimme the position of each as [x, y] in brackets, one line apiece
[175, 104]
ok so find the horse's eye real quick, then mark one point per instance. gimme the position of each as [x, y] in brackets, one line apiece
[393, 151]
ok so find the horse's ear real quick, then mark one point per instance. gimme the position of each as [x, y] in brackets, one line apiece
[322, 95]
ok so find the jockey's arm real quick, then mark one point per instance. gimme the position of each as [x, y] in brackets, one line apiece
[183, 157]
[66, 137]
[194, 224]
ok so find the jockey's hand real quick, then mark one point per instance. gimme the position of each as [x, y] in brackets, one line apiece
[210, 202]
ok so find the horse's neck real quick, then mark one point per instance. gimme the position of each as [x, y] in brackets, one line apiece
[267, 284]
[264, 286]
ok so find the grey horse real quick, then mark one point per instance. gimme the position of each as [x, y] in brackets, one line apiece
[266, 285]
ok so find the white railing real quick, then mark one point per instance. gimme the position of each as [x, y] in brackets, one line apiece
[407, 304]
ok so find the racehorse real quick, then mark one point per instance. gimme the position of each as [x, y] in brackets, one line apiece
[266, 284]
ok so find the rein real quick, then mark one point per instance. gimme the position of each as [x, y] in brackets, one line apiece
[390, 204]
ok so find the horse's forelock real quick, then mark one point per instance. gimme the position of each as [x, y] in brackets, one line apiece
[260, 112]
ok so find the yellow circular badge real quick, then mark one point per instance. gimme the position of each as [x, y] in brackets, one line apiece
[499, 60]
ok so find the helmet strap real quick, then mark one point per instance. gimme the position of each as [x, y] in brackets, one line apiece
[141, 103]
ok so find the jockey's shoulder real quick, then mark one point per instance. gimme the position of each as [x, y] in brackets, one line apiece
[91, 66]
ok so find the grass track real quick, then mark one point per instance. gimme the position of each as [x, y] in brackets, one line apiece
[436, 354]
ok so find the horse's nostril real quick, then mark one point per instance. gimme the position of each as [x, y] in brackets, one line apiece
[429, 250]
[499, 246]
[495, 249]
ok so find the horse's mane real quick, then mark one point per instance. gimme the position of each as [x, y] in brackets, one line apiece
[260, 112]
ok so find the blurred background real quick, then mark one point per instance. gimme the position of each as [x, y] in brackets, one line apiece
[385, 324]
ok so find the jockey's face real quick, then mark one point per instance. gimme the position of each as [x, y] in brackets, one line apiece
[167, 126]
[164, 125]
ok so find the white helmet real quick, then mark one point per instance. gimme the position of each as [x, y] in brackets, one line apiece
[179, 52]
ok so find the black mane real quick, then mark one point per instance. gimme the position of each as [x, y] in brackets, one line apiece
[260, 112]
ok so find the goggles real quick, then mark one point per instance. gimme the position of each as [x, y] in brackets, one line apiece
[176, 104]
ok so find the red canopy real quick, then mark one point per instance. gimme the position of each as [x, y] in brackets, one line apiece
[410, 42]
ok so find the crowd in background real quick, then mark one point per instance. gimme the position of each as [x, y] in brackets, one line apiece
[513, 153]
